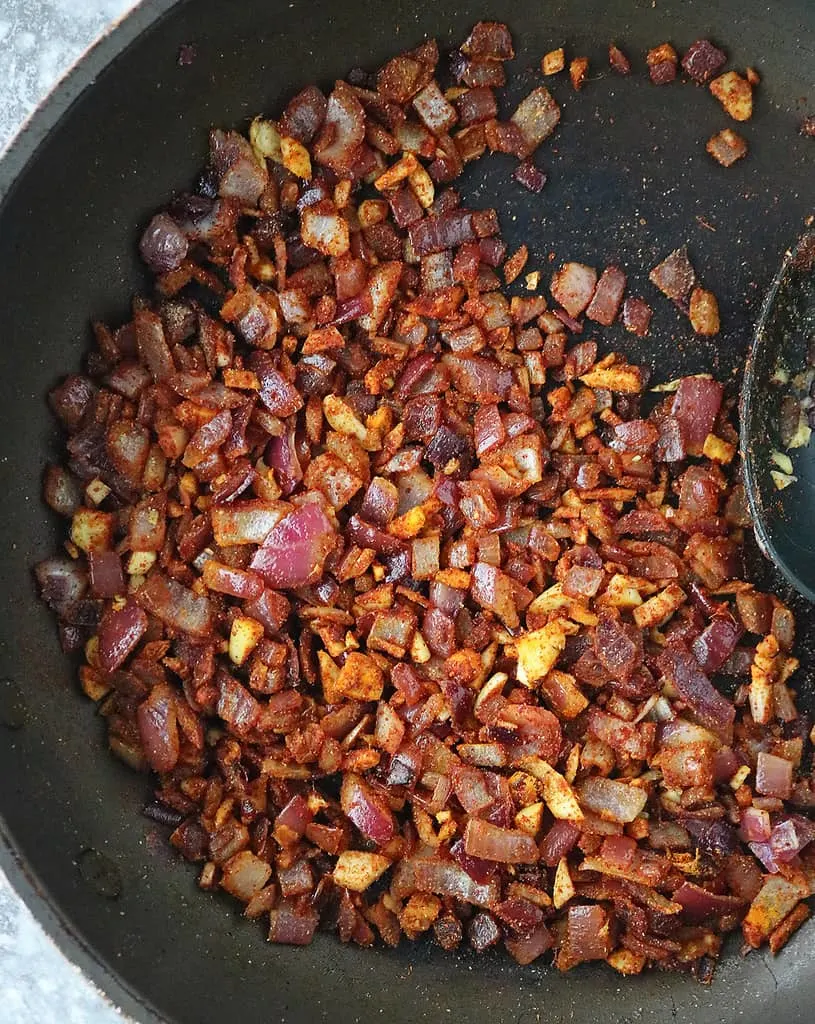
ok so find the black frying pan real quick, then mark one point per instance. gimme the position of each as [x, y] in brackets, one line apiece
[629, 181]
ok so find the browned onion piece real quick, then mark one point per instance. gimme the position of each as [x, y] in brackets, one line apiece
[537, 117]
[490, 39]
[152, 345]
[367, 810]
[608, 296]
[437, 114]
[492, 589]
[703, 60]
[531, 177]
[71, 399]
[717, 642]
[615, 801]
[695, 407]
[618, 646]
[476, 106]
[163, 245]
[587, 935]
[175, 605]
[240, 175]
[675, 277]
[636, 316]
[573, 287]
[712, 709]
[227, 580]
[443, 232]
[293, 925]
[62, 491]
[277, 394]
[148, 524]
[294, 551]
[158, 728]
[119, 632]
[700, 903]
[105, 570]
[342, 132]
[381, 502]
[773, 775]
[304, 114]
[558, 842]
[62, 581]
[445, 878]
[490, 842]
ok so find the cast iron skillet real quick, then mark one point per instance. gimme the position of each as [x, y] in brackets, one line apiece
[629, 181]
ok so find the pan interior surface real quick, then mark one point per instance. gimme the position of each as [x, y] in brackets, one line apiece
[629, 181]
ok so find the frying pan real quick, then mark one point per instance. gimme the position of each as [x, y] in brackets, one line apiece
[629, 182]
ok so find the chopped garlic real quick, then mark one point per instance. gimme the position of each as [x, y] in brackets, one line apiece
[295, 157]
[718, 450]
[539, 650]
[784, 462]
[802, 434]
[782, 480]
[265, 140]
[356, 870]
[564, 888]
[419, 651]
[97, 491]
[673, 385]
[92, 530]
[244, 637]
[560, 798]
[529, 819]
[140, 563]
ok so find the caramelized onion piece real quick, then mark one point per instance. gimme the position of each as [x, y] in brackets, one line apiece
[295, 550]
[176, 606]
[119, 633]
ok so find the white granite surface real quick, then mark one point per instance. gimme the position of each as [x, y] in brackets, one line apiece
[37, 983]
[39, 41]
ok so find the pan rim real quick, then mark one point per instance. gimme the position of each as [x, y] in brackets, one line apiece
[111, 47]
[15, 159]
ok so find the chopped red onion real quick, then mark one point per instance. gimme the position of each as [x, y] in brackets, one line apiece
[119, 633]
[397, 550]
[531, 177]
[695, 407]
[616, 801]
[537, 116]
[700, 903]
[158, 729]
[713, 710]
[240, 174]
[773, 775]
[292, 924]
[163, 245]
[367, 810]
[105, 571]
[294, 551]
[755, 825]
[175, 605]
[505, 845]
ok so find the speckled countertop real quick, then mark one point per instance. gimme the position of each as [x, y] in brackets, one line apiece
[39, 41]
